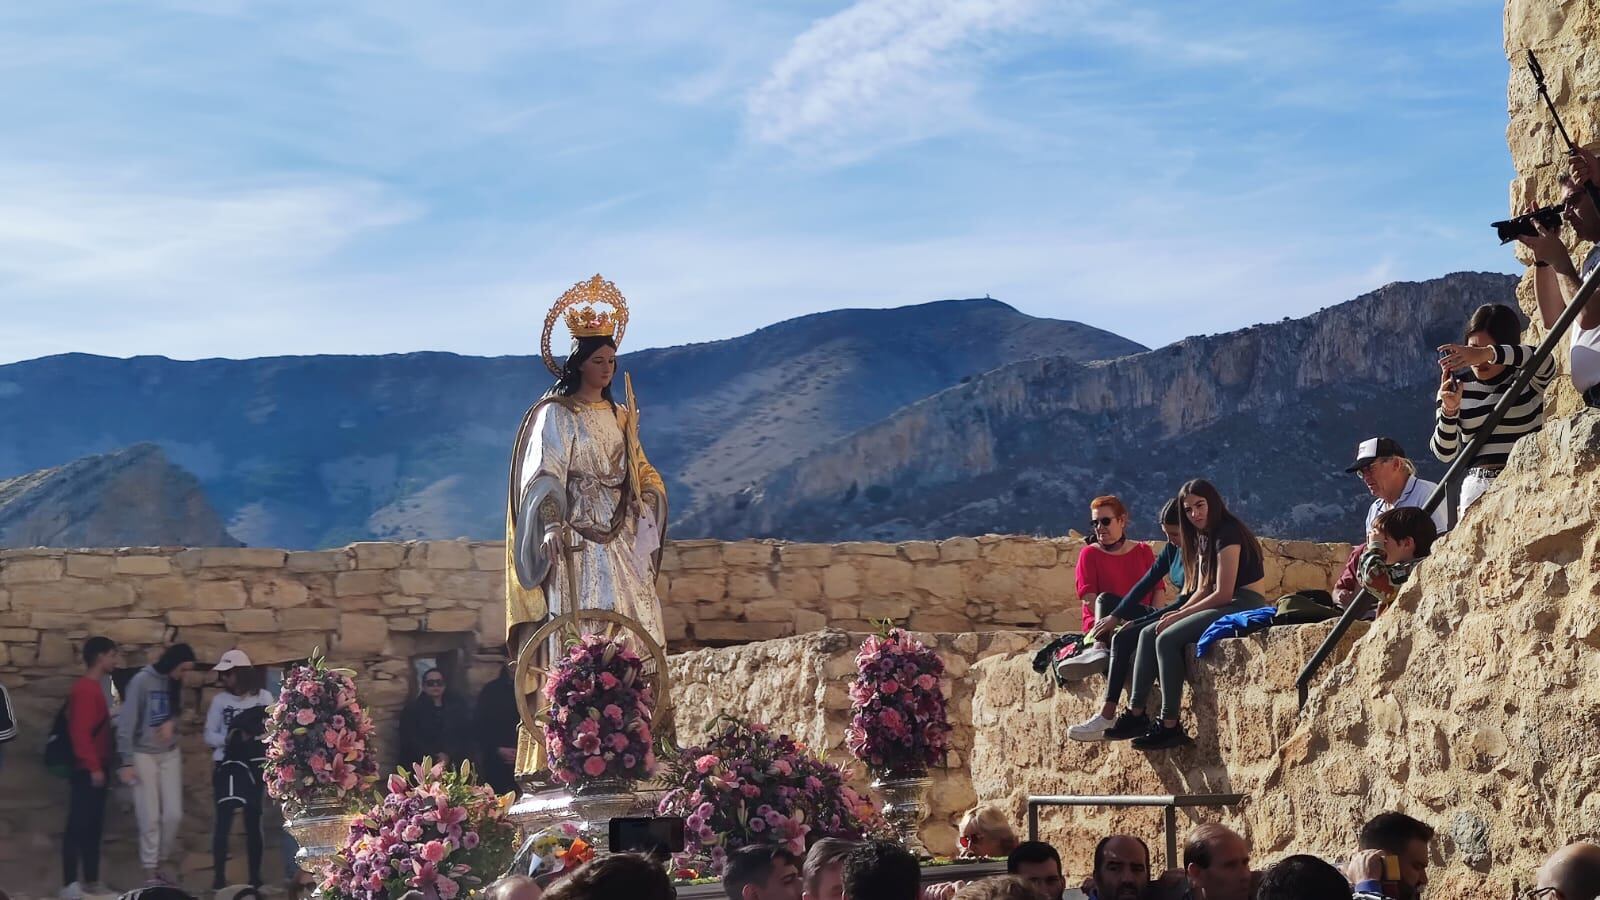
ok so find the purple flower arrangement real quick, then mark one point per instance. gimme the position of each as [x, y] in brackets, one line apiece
[437, 831]
[318, 738]
[748, 786]
[599, 717]
[898, 724]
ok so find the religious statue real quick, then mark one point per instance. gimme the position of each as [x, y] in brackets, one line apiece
[586, 512]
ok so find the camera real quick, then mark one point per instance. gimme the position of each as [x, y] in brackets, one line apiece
[1549, 217]
[646, 834]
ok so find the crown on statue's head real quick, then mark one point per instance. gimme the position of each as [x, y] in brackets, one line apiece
[586, 321]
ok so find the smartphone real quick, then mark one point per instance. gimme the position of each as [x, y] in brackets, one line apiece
[646, 834]
[1391, 875]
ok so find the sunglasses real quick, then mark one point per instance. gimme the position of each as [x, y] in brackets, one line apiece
[1102, 522]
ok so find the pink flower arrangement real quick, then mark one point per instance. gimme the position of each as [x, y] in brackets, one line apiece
[898, 725]
[748, 786]
[318, 738]
[599, 719]
[437, 831]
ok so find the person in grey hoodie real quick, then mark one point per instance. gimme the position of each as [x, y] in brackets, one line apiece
[147, 738]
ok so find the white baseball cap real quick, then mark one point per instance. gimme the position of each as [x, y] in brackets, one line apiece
[233, 659]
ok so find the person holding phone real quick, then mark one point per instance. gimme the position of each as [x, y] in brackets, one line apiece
[1491, 351]
[1393, 859]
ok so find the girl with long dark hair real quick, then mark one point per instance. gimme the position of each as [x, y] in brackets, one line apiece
[1224, 560]
[235, 724]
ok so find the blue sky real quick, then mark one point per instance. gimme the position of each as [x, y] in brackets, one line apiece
[202, 178]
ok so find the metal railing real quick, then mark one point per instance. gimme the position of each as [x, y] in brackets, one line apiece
[1170, 803]
[1458, 469]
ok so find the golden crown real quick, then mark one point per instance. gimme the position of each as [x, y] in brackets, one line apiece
[586, 321]
[583, 320]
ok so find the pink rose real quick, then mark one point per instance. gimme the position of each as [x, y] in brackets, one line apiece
[411, 834]
[594, 766]
[705, 763]
[608, 680]
[434, 851]
[926, 682]
[613, 712]
[305, 717]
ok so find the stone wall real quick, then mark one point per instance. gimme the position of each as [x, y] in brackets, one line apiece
[376, 607]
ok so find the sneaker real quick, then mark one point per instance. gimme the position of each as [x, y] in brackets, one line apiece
[1129, 725]
[1160, 737]
[1090, 661]
[73, 891]
[1091, 729]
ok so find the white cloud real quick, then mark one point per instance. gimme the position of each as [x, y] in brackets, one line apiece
[880, 72]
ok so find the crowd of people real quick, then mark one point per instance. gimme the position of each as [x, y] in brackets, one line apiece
[104, 736]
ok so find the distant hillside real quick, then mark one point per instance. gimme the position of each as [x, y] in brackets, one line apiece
[133, 497]
[319, 451]
[1271, 414]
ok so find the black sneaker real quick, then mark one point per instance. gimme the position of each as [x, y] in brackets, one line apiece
[1160, 737]
[1128, 725]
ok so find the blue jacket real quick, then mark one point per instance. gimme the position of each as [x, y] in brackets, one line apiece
[1234, 625]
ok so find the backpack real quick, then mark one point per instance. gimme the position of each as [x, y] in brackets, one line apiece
[58, 746]
[1063, 648]
[8, 716]
[245, 735]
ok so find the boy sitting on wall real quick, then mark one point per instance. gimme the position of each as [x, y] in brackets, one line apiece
[1400, 539]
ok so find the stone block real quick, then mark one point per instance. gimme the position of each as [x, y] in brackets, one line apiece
[707, 557]
[747, 553]
[702, 586]
[346, 584]
[839, 582]
[90, 565]
[672, 620]
[881, 575]
[806, 621]
[152, 632]
[1022, 552]
[489, 556]
[865, 548]
[919, 551]
[492, 624]
[73, 596]
[18, 635]
[799, 587]
[378, 555]
[30, 571]
[943, 580]
[808, 555]
[452, 620]
[317, 561]
[308, 619]
[768, 611]
[740, 632]
[164, 593]
[938, 621]
[219, 595]
[279, 593]
[241, 558]
[415, 582]
[750, 586]
[449, 555]
[245, 621]
[186, 617]
[359, 634]
[143, 565]
[45, 621]
[877, 609]
[958, 549]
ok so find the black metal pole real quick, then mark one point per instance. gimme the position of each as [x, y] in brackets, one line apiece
[1458, 468]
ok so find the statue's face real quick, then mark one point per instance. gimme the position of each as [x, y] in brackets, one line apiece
[598, 370]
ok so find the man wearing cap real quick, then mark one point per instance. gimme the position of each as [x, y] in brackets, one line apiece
[1392, 480]
[233, 730]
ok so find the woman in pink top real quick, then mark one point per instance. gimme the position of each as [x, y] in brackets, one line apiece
[1107, 570]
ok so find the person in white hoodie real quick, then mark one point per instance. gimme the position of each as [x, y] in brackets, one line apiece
[233, 730]
[147, 742]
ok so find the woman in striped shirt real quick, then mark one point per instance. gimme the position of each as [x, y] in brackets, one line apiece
[1493, 350]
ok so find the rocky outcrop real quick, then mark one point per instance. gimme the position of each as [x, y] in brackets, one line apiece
[1563, 33]
[319, 451]
[133, 497]
[1270, 413]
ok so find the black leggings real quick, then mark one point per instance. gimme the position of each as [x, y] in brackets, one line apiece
[86, 818]
[229, 794]
[1125, 647]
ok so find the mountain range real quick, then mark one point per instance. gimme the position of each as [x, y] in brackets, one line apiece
[319, 451]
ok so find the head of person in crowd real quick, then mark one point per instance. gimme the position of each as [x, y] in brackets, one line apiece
[1204, 512]
[1383, 467]
[822, 876]
[1121, 868]
[238, 676]
[175, 661]
[618, 875]
[1406, 839]
[1172, 522]
[1217, 862]
[1039, 865]
[762, 872]
[100, 656]
[514, 887]
[1108, 519]
[1000, 887]
[1580, 206]
[1303, 877]
[1571, 873]
[1406, 534]
[881, 870]
[434, 685]
[985, 831]
[1490, 325]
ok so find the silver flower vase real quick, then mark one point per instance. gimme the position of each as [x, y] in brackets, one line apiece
[600, 800]
[320, 826]
[905, 806]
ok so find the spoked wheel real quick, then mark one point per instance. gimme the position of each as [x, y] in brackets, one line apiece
[535, 663]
